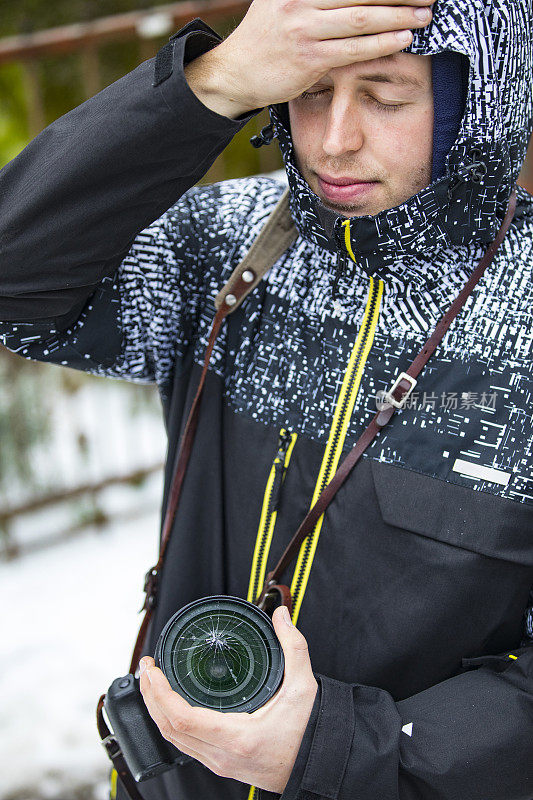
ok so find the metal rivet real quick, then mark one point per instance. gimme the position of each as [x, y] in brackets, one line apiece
[230, 299]
[248, 276]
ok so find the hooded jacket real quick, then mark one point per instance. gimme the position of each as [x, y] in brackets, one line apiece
[414, 589]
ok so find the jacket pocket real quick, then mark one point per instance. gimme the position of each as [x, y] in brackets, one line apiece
[459, 516]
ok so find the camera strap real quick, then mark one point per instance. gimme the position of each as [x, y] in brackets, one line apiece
[394, 399]
[275, 237]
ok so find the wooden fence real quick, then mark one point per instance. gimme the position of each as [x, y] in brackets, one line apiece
[147, 31]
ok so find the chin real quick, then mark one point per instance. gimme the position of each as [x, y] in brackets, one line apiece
[361, 210]
[349, 211]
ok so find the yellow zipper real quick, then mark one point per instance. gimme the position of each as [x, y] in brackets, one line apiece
[338, 430]
[267, 523]
[269, 512]
[330, 460]
[347, 240]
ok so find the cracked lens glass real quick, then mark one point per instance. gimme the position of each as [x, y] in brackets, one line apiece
[220, 657]
[225, 656]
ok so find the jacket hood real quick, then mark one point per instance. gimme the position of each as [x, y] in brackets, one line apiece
[466, 205]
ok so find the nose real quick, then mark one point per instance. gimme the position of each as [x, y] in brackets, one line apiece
[343, 132]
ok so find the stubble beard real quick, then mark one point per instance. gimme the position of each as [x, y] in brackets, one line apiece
[391, 198]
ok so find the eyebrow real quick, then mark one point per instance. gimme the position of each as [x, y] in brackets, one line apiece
[400, 80]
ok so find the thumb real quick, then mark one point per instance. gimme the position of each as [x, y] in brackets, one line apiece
[294, 644]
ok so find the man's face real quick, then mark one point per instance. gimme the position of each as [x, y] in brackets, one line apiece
[363, 135]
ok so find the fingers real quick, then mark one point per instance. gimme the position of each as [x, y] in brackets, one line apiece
[339, 52]
[216, 740]
[341, 23]
[282, 47]
[193, 745]
[362, 32]
[177, 716]
[190, 745]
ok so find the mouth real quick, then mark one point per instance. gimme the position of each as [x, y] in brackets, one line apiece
[344, 189]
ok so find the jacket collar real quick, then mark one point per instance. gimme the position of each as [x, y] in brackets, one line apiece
[462, 208]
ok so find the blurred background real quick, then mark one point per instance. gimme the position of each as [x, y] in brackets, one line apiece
[80, 457]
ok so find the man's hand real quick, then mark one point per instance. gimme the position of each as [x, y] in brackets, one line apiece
[282, 47]
[259, 748]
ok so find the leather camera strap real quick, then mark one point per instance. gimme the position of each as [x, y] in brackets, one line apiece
[275, 237]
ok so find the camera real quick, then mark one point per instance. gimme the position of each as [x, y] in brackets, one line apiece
[218, 652]
[144, 749]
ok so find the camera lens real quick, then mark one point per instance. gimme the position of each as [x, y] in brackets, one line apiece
[222, 653]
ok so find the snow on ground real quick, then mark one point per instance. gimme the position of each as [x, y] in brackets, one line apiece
[68, 624]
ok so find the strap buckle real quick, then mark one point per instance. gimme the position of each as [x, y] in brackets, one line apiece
[389, 396]
[111, 746]
[151, 586]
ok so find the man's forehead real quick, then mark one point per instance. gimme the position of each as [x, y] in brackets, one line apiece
[402, 69]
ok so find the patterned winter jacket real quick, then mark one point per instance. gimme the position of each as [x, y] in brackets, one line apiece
[413, 589]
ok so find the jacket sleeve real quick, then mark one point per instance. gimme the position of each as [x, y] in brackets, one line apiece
[467, 738]
[97, 218]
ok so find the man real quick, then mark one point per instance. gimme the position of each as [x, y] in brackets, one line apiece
[412, 592]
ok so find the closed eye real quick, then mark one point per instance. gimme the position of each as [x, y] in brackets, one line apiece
[305, 95]
[386, 107]
[383, 106]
